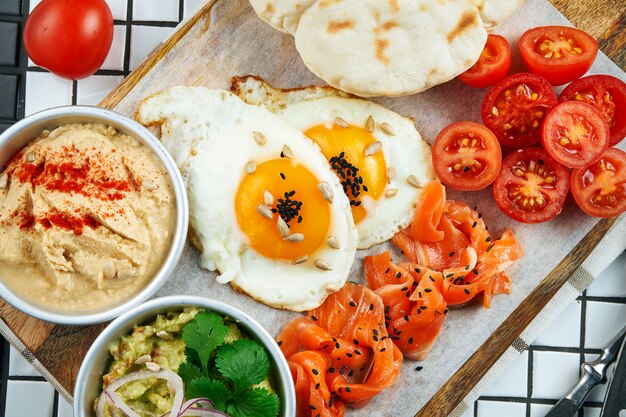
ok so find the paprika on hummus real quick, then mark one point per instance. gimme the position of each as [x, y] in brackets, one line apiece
[86, 218]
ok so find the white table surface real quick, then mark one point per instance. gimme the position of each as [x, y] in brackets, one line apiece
[527, 389]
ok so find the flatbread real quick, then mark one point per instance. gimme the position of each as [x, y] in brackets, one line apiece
[495, 12]
[389, 48]
[381, 47]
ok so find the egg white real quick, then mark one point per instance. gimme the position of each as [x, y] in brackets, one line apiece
[210, 135]
[405, 151]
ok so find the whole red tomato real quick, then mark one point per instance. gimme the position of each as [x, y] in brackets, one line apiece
[71, 38]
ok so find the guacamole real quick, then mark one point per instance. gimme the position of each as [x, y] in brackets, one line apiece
[158, 342]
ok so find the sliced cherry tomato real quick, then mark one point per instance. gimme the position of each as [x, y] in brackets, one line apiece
[492, 66]
[559, 53]
[71, 38]
[514, 109]
[575, 134]
[607, 94]
[600, 188]
[467, 156]
[532, 186]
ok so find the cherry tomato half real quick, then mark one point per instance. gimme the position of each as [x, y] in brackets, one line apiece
[492, 66]
[558, 53]
[71, 38]
[515, 107]
[467, 156]
[575, 134]
[531, 187]
[600, 188]
[607, 94]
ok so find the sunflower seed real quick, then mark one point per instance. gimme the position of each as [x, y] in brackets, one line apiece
[250, 167]
[143, 359]
[323, 265]
[340, 122]
[164, 335]
[30, 156]
[386, 127]
[412, 180]
[390, 192]
[259, 138]
[391, 173]
[295, 237]
[287, 152]
[268, 198]
[109, 269]
[264, 211]
[332, 242]
[149, 185]
[153, 366]
[283, 228]
[326, 191]
[300, 260]
[370, 124]
[372, 148]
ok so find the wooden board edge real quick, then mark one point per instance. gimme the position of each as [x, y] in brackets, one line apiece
[118, 94]
[465, 379]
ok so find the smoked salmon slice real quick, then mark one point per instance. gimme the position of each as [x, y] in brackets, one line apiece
[452, 258]
[340, 353]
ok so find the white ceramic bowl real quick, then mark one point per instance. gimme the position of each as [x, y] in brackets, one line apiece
[24, 131]
[89, 381]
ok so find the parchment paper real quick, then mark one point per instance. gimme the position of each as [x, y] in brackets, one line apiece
[236, 42]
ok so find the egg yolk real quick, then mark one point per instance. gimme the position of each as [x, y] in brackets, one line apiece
[360, 175]
[298, 201]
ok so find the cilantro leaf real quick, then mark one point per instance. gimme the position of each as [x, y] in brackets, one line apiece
[188, 371]
[256, 402]
[204, 334]
[245, 362]
[215, 391]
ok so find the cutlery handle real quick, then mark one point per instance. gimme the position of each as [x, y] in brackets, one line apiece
[564, 408]
[615, 400]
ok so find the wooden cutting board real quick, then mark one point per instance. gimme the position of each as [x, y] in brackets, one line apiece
[61, 348]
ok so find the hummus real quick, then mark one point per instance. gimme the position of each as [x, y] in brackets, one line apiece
[86, 218]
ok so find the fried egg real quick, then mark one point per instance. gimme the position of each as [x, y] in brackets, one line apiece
[266, 210]
[378, 156]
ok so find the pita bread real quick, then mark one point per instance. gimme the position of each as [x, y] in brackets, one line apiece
[381, 47]
[389, 48]
[494, 12]
[283, 15]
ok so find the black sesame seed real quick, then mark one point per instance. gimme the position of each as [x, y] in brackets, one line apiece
[540, 161]
[480, 216]
[404, 288]
[371, 307]
[406, 318]
[474, 224]
[358, 352]
[387, 270]
[410, 340]
[317, 386]
[467, 291]
[356, 342]
[475, 271]
[398, 274]
[383, 349]
[490, 247]
[352, 303]
[451, 254]
[467, 267]
[349, 354]
[337, 345]
[312, 407]
[279, 343]
[387, 309]
[466, 169]
[423, 307]
[331, 370]
[488, 239]
[282, 176]
[417, 270]
[375, 331]
[419, 368]
[427, 290]
[347, 389]
[315, 371]
[313, 318]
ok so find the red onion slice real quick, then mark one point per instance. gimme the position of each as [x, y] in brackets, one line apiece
[109, 396]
